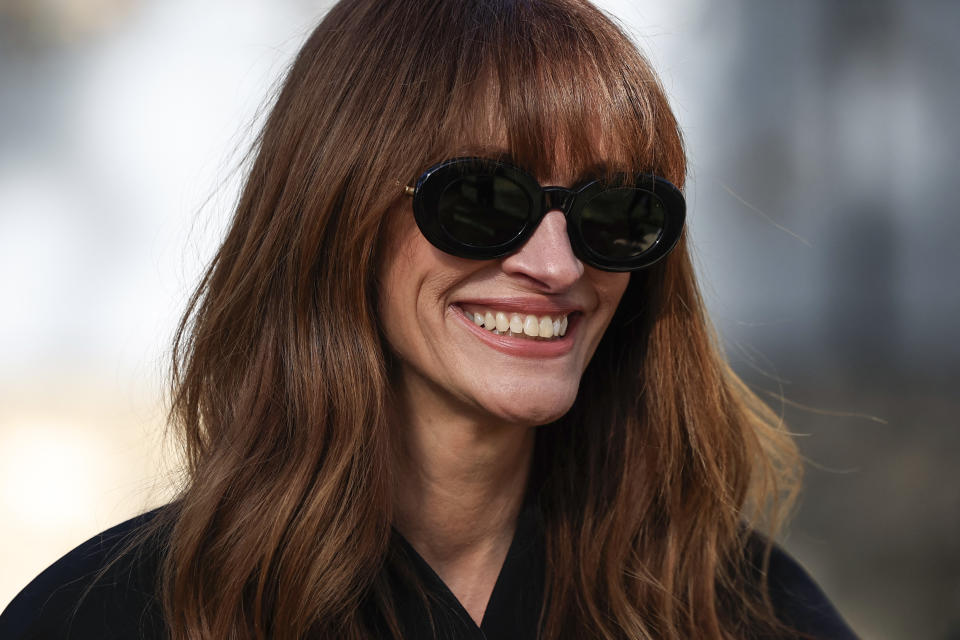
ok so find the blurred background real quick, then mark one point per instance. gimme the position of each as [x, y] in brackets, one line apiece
[824, 150]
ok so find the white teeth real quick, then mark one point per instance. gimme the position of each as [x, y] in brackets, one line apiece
[546, 327]
[517, 324]
[531, 326]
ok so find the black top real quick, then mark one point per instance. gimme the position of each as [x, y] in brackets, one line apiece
[69, 601]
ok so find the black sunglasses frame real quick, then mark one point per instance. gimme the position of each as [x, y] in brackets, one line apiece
[571, 202]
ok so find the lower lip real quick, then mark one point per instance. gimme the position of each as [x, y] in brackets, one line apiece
[522, 347]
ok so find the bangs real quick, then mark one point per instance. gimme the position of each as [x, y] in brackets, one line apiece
[561, 91]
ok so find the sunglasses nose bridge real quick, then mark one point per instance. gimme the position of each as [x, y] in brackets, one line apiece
[557, 198]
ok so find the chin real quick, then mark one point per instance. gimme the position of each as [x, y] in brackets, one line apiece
[531, 407]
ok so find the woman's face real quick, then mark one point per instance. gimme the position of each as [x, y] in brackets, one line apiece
[431, 302]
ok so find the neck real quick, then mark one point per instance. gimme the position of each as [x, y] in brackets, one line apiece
[461, 483]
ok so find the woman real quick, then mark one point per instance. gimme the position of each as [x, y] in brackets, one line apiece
[445, 376]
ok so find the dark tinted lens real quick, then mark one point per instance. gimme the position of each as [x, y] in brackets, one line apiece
[483, 210]
[622, 223]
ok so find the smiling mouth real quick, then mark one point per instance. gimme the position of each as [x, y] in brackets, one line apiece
[542, 328]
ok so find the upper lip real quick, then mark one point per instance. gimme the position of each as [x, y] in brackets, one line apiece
[538, 306]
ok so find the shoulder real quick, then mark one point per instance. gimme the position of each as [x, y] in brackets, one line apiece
[105, 588]
[797, 599]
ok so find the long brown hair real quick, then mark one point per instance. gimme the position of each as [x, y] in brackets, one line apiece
[647, 488]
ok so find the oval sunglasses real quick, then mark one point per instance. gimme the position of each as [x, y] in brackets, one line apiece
[483, 209]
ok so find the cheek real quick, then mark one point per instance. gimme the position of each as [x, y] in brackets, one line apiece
[391, 312]
[610, 288]
[413, 279]
[396, 278]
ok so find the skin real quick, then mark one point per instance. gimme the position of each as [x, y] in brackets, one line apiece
[466, 412]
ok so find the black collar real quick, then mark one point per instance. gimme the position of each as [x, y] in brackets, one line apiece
[514, 606]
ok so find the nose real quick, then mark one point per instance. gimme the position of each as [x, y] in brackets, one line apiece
[547, 258]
